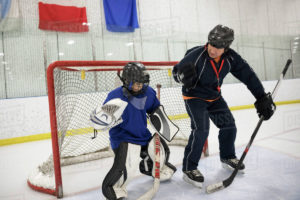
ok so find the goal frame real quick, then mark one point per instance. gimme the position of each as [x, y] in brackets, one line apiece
[52, 108]
[58, 191]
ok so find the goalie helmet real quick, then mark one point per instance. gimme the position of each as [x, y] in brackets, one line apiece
[221, 37]
[135, 72]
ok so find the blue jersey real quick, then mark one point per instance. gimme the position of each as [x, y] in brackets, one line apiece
[120, 15]
[133, 129]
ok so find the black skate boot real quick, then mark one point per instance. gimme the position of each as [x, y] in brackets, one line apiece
[232, 164]
[194, 177]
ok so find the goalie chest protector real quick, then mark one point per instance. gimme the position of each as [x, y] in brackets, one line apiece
[133, 129]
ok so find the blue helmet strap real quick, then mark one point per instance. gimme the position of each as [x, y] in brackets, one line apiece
[130, 85]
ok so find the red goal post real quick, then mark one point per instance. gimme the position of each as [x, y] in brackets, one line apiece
[75, 88]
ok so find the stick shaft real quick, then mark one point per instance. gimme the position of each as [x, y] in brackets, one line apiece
[229, 180]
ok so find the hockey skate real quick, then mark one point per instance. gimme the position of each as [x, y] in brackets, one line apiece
[231, 164]
[193, 177]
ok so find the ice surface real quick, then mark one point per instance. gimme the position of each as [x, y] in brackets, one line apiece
[272, 166]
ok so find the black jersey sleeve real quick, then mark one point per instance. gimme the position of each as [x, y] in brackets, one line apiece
[243, 72]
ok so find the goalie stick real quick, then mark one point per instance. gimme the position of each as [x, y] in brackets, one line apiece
[150, 193]
[225, 183]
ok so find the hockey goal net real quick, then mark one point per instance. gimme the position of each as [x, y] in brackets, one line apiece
[75, 88]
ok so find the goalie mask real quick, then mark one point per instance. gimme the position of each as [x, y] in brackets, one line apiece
[135, 72]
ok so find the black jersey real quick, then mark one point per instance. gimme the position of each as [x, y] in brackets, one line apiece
[210, 75]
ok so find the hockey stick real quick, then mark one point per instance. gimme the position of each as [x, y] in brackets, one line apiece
[225, 183]
[150, 193]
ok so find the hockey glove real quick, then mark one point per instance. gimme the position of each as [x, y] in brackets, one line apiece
[187, 75]
[108, 115]
[265, 106]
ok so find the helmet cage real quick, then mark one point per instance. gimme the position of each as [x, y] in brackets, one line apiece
[135, 73]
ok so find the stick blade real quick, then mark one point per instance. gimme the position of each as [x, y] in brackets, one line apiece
[151, 193]
[214, 187]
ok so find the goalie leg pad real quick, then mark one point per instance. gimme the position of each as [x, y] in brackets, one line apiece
[168, 169]
[123, 170]
[146, 164]
[147, 154]
[113, 186]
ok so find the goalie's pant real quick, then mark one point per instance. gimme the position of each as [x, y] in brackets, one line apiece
[200, 112]
[113, 186]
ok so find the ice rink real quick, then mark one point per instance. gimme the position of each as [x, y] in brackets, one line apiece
[272, 166]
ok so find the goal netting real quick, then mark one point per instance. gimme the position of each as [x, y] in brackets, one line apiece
[75, 88]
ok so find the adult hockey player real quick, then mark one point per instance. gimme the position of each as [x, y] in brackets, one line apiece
[201, 73]
[124, 112]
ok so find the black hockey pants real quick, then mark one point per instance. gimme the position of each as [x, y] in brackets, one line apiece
[200, 112]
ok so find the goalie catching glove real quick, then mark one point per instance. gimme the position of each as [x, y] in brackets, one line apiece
[108, 115]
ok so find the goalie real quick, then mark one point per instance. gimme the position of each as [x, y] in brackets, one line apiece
[124, 113]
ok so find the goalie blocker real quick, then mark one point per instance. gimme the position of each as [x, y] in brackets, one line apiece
[126, 164]
[162, 124]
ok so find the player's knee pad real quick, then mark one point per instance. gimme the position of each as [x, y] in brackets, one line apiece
[147, 154]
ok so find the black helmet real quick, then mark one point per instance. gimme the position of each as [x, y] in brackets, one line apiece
[221, 37]
[135, 72]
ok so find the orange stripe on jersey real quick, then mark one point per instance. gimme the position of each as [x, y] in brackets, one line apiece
[208, 100]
